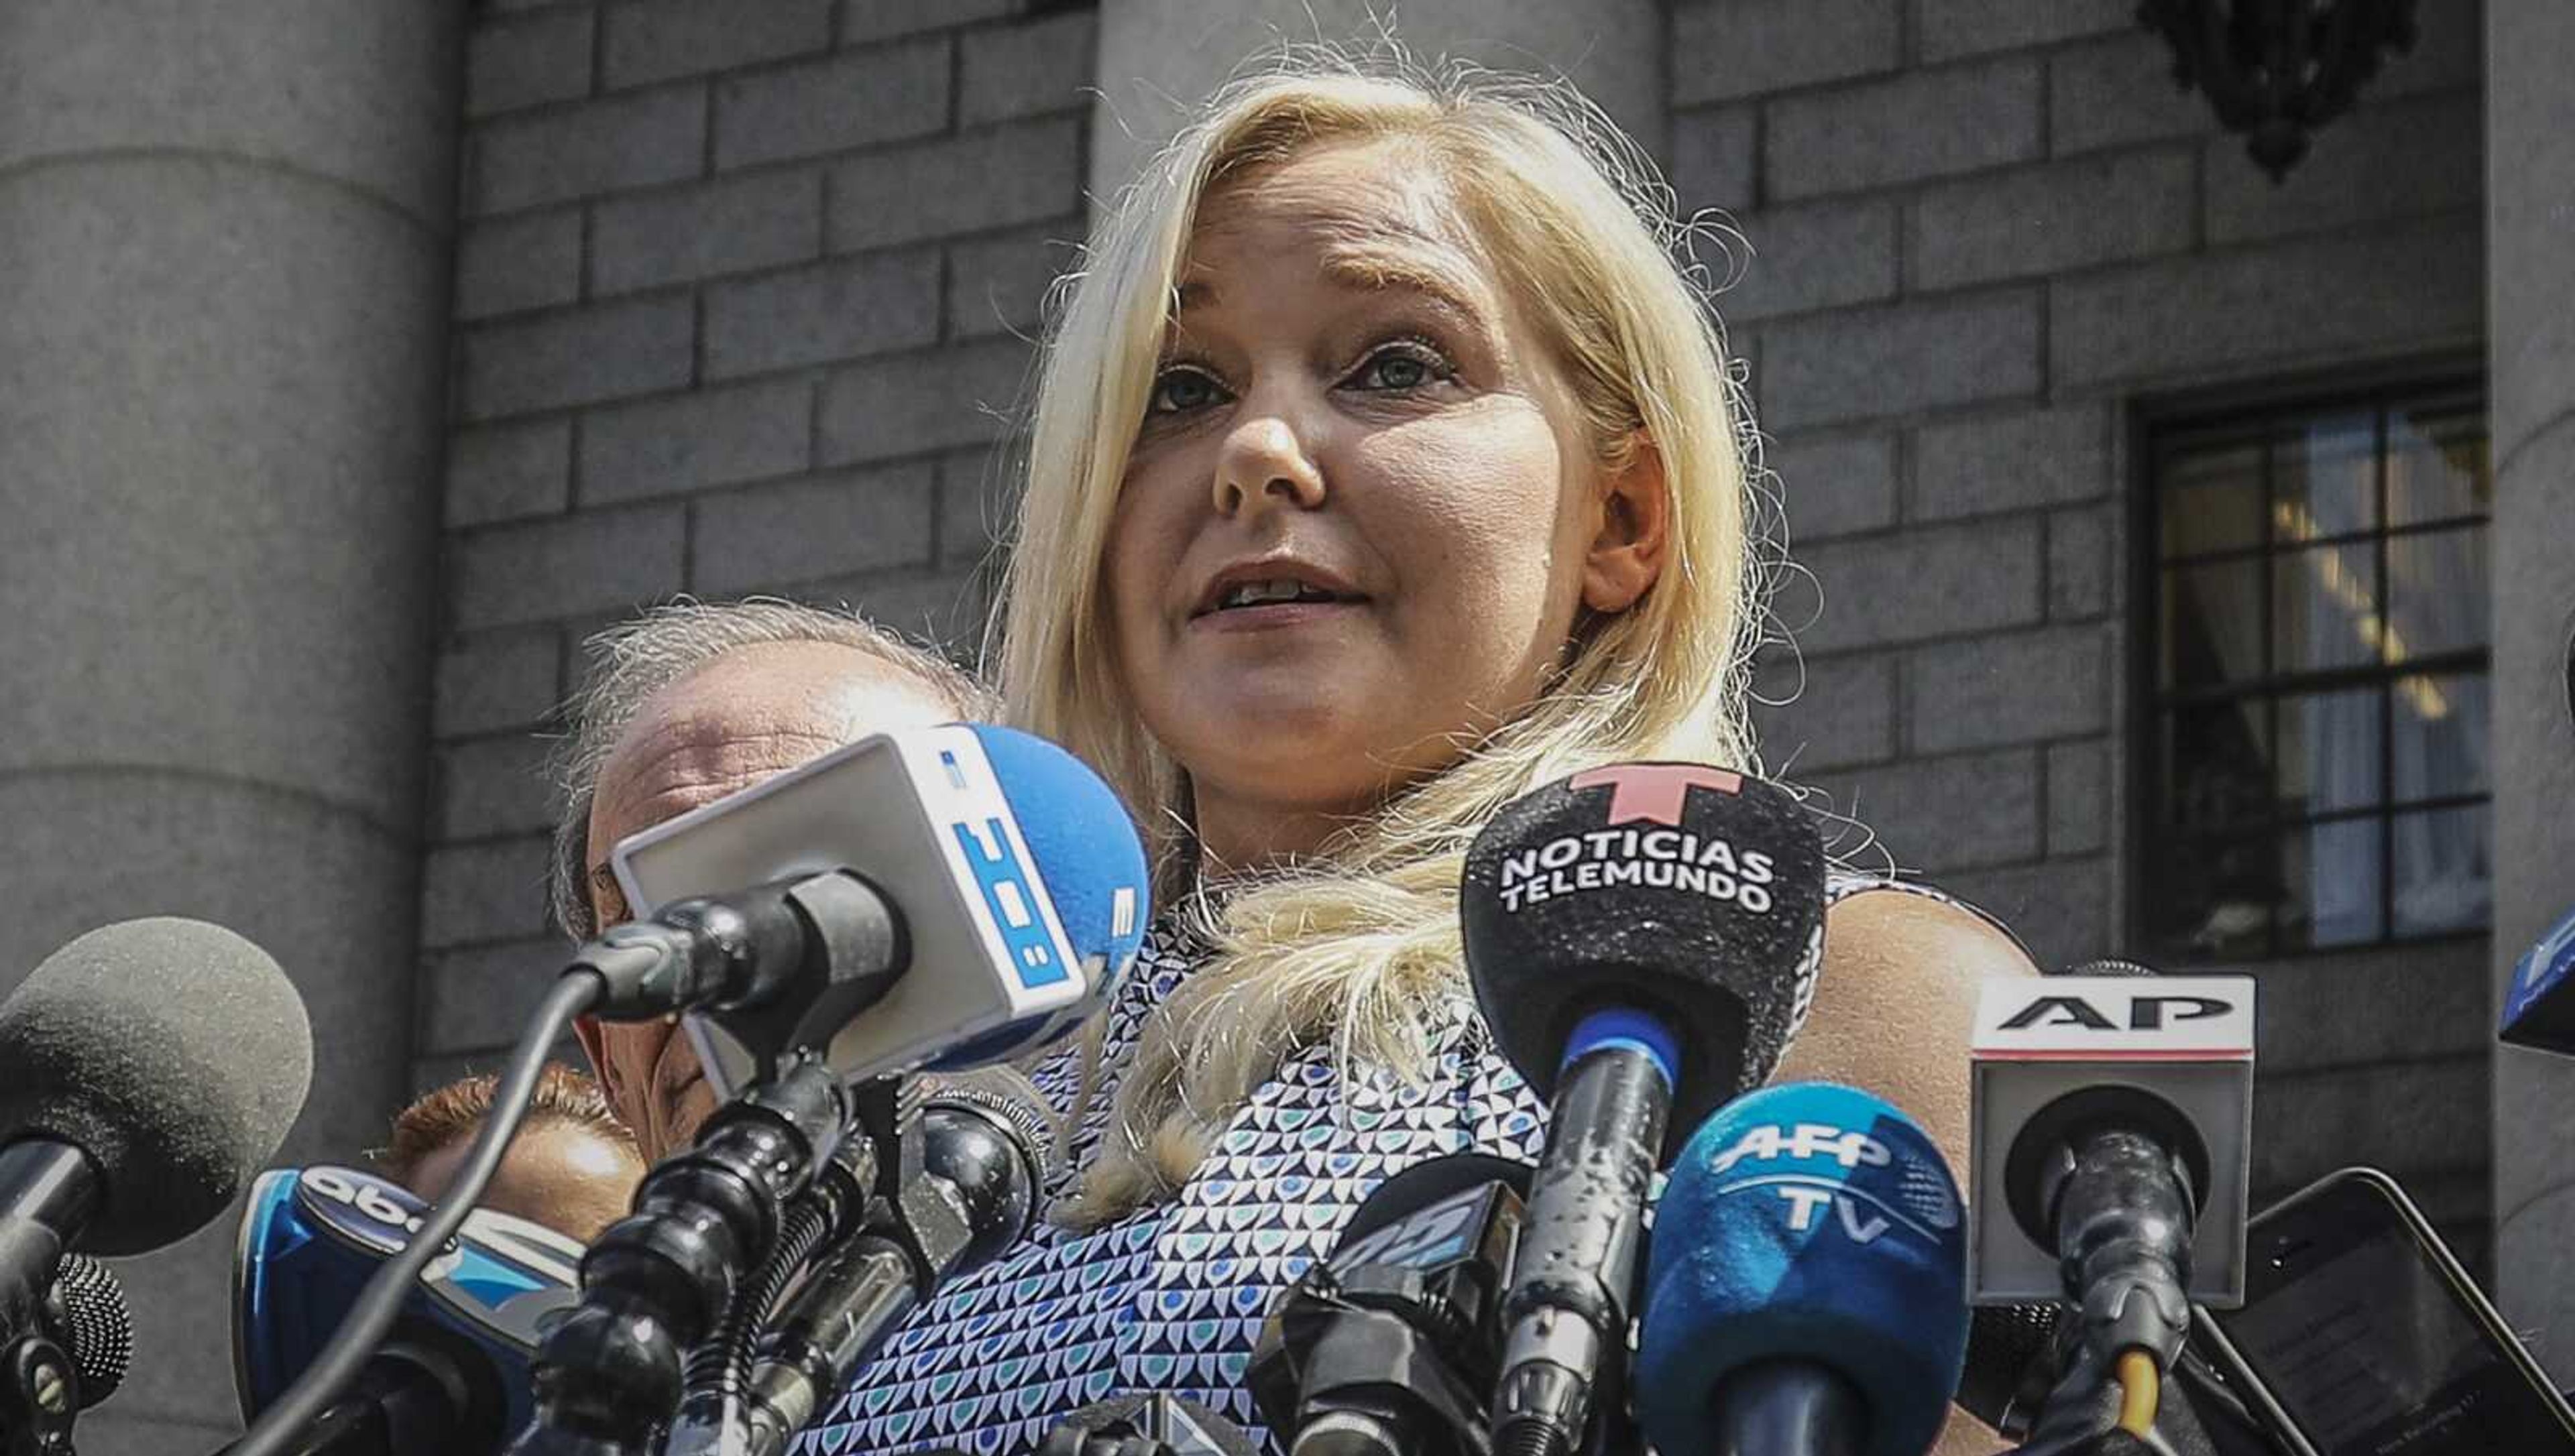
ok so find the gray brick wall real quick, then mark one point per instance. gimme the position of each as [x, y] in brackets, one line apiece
[742, 296]
[1980, 231]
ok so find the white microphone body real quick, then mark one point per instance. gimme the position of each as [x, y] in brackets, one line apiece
[924, 816]
[2053, 1057]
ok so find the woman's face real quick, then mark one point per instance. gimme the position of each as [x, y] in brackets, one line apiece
[1362, 508]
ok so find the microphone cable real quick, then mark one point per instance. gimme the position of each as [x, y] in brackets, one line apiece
[376, 1309]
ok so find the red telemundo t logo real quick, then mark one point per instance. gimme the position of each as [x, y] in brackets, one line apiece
[1654, 791]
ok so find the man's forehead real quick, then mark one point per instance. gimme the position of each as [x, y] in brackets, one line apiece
[748, 714]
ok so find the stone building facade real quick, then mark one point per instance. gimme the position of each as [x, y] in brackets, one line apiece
[361, 360]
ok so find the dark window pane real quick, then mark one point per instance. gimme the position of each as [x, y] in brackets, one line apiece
[2329, 892]
[2325, 476]
[2212, 623]
[2217, 764]
[2329, 753]
[2321, 706]
[2212, 498]
[2437, 467]
[2324, 604]
[2440, 735]
[2212, 899]
[2436, 593]
[2444, 878]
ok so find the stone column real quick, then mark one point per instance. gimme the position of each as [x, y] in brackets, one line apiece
[1157, 57]
[2530, 233]
[224, 273]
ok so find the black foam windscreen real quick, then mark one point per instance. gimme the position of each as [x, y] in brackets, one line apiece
[1425, 1183]
[1693, 893]
[174, 1053]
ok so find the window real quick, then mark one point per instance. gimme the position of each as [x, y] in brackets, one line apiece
[2316, 639]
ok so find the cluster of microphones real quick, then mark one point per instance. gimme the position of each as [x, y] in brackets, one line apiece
[1703, 1260]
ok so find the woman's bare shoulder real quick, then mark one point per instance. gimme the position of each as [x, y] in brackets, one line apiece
[1914, 932]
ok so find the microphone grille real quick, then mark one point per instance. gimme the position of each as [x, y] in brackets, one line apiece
[2011, 1362]
[97, 1332]
[1005, 1094]
[2111, 965]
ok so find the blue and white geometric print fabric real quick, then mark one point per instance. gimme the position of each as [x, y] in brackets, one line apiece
[1172, 1298]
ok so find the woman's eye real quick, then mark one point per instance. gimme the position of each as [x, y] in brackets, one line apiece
[1403, 366]
[1179, 390]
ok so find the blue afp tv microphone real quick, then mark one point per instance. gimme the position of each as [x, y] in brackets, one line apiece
[454, 1375]
[1806, 1286]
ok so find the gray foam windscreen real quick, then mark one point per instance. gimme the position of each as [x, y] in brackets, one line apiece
[174, 1053]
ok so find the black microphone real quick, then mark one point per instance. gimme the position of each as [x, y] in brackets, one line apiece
[1642, 941]
[967, 1186]
[1146, 1425]
[1387, 1346]
[85, 1314]
[147, 1070]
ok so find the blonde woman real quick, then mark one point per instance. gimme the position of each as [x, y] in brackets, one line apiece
[1384, 467]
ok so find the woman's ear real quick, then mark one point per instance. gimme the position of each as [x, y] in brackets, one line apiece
[1626, 555]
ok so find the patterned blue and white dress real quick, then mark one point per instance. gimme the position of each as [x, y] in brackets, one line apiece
[1172, 1298]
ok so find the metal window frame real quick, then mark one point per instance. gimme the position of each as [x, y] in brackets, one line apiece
[2252, 404]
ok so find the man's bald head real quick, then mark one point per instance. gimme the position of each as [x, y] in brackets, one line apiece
[688, 706]
[748, 714]
[634, 663]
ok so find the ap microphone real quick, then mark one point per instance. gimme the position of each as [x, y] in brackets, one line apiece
[1386, 1347]
[1806, 1293]
[2112, 1118]
[453, 1376]
[994, 867]
[1642, 941]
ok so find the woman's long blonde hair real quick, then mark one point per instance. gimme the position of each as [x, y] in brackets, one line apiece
[1359, 945]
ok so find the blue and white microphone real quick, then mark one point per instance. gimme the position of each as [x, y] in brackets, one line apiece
[453, 1374]
[1807, 1284]
[955, 897]
[2539, 1006]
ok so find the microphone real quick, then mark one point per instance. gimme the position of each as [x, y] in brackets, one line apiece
[1642, 941]
[453, 1376]
[1146, 1425]
[2538, 1009]
[2111, 1118]
[968, 1191]
[1806, 1292]
[992, 858]
[85, 1314]
[1386, 1347]
[146, 1069]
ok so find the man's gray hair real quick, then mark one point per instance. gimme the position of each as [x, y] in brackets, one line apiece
[631, 660]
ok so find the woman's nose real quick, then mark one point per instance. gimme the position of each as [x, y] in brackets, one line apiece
[1264, 463]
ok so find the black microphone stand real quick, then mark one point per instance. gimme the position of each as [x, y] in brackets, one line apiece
[39, 1395]
[609, 1376]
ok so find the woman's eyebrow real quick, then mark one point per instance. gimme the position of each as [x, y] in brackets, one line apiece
[1385, 270]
